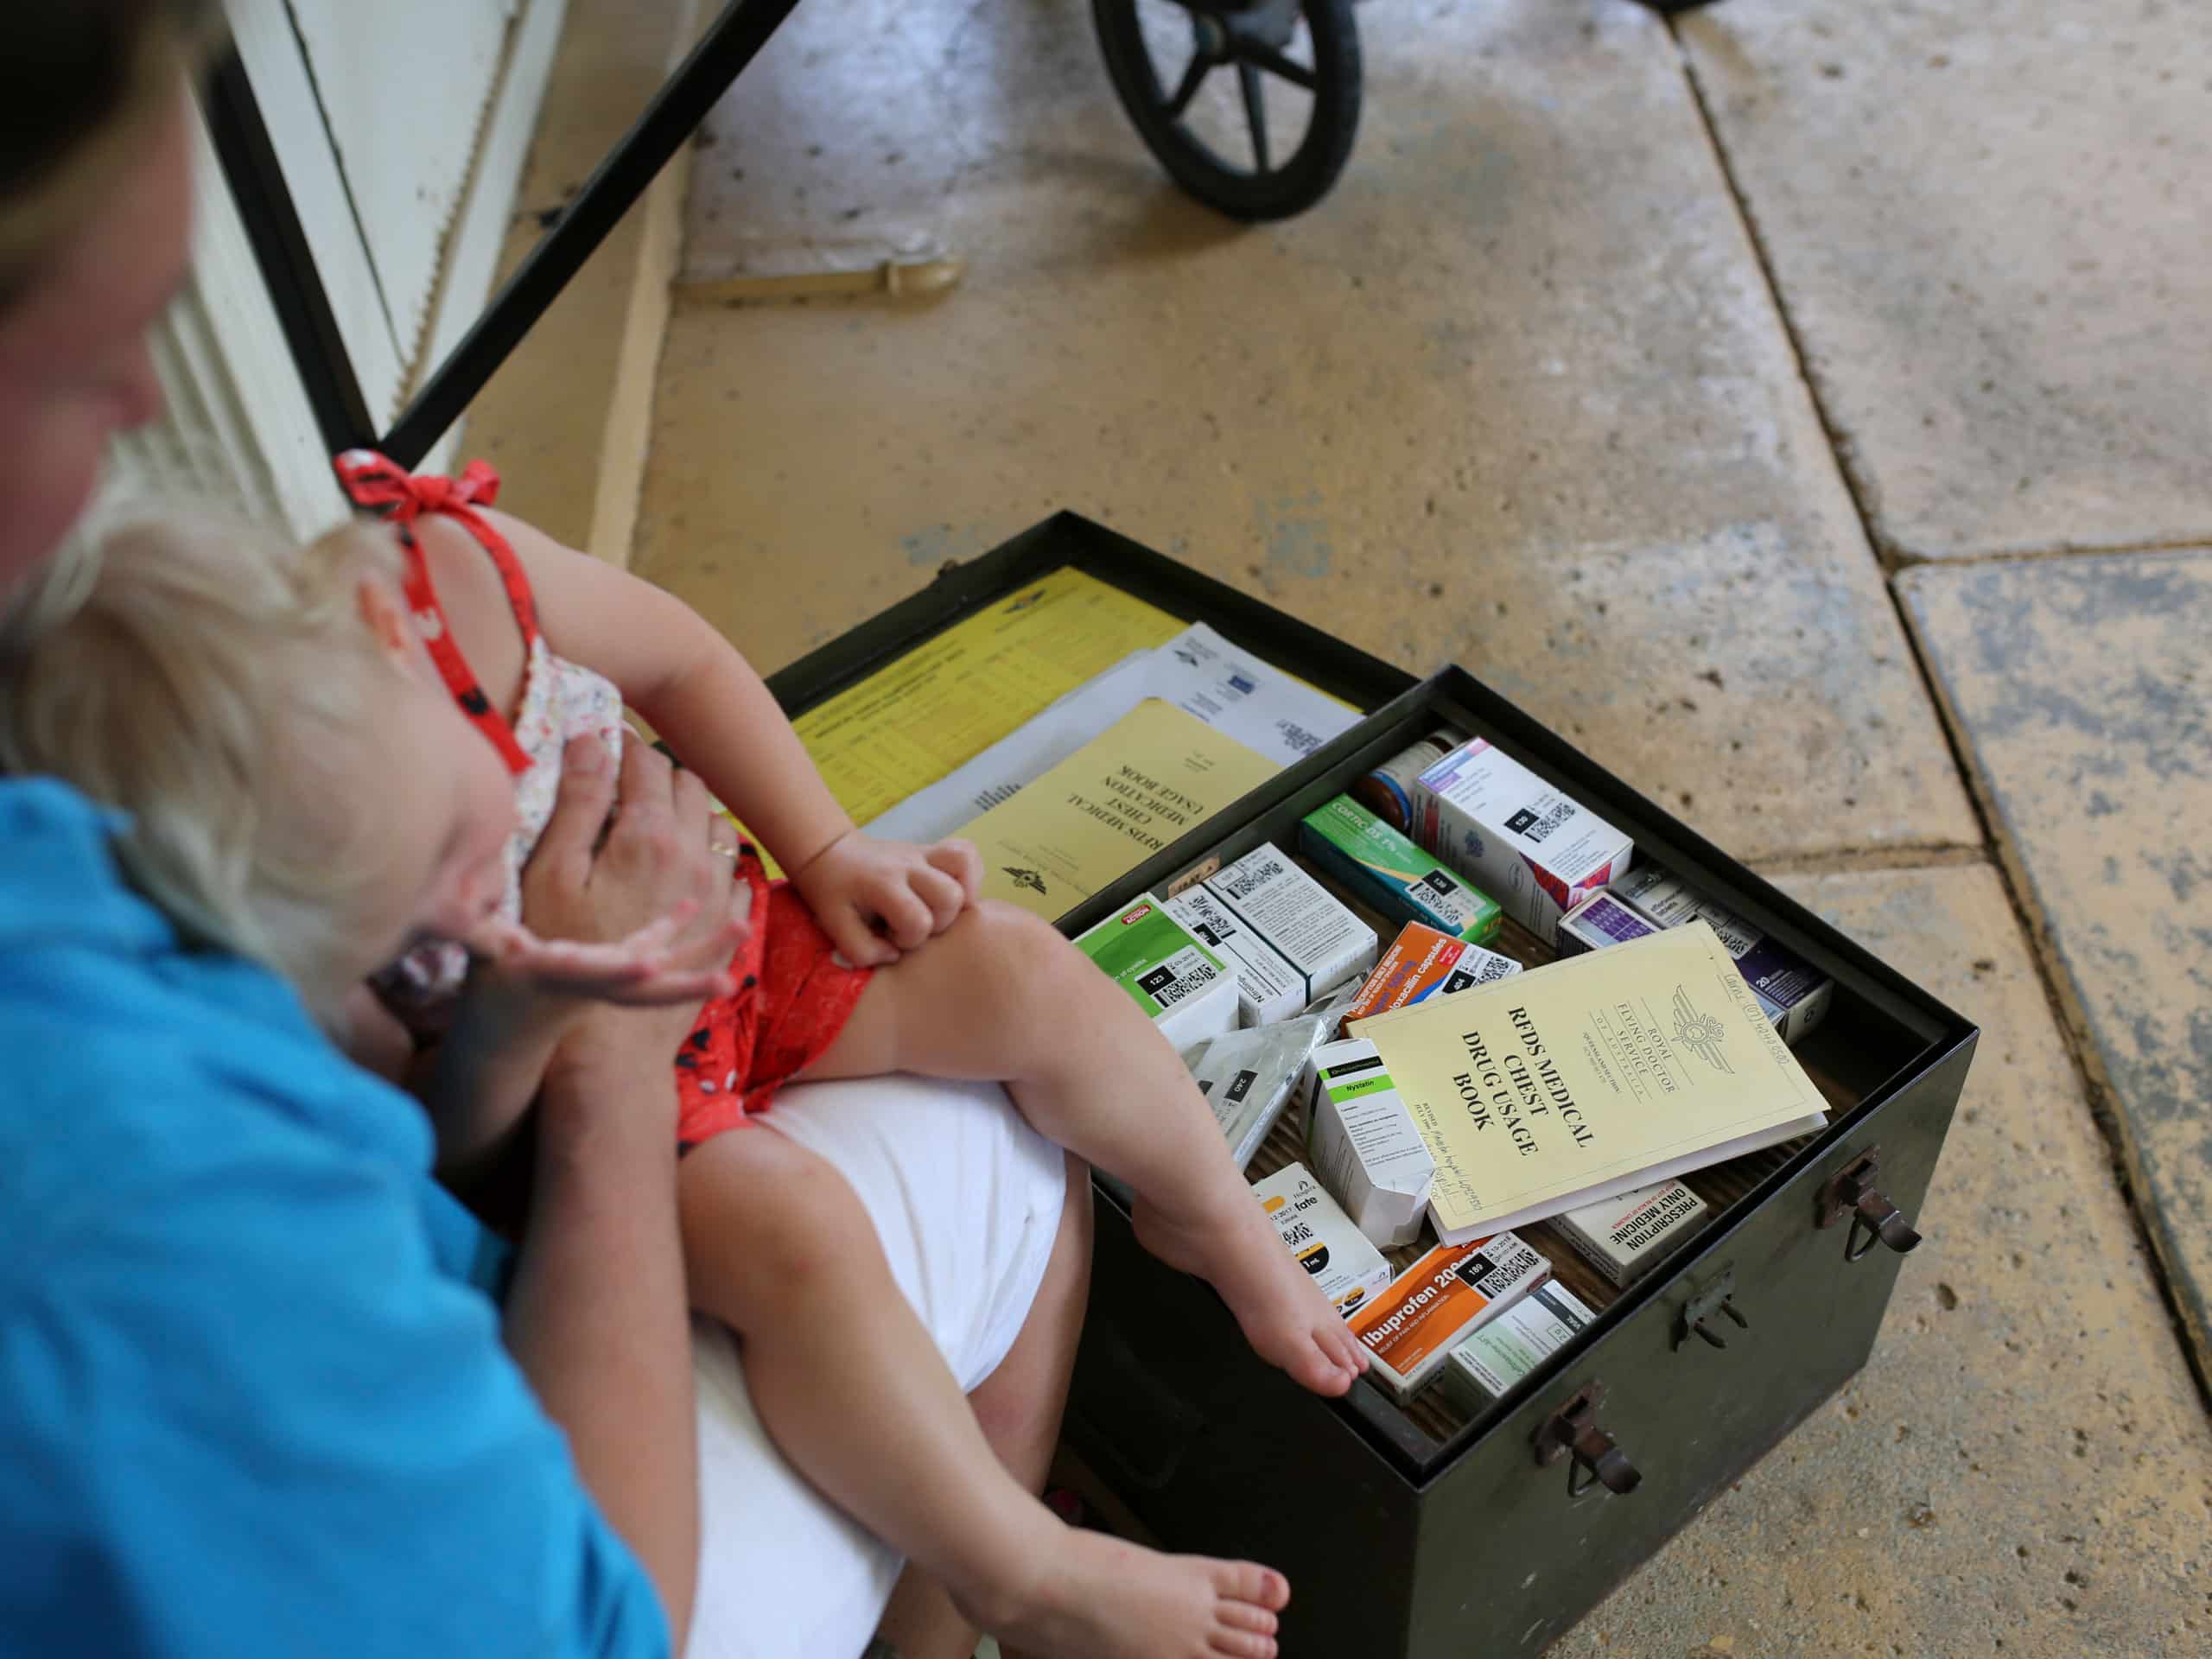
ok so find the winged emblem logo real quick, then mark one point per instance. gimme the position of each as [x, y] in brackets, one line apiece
[1028, 878]
[1701, 1032]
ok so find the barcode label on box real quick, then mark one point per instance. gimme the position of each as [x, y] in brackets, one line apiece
[1182, 975]
[1246, 878]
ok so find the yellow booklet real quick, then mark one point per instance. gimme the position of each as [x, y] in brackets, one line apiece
[1571, 1083]
[958, 692]
[1143, 783]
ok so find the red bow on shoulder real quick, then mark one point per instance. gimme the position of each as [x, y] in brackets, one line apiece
[386, 488]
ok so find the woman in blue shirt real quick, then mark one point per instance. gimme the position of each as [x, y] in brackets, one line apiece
[254, 1396]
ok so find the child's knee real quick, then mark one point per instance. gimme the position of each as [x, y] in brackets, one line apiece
[1022, 953]
[770, 1218]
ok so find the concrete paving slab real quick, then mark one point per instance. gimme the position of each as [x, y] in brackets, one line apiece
[1988, 226]
[2024, 1467]
[1515, 395]
[2079, 691]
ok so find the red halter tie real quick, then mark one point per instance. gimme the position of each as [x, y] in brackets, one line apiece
[401, 497]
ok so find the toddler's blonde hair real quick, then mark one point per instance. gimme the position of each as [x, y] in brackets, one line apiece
[218, 683]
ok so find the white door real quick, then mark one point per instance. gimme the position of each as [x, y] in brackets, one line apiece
[401, 127]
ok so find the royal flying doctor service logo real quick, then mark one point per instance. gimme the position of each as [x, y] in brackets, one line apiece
[1700, 1031]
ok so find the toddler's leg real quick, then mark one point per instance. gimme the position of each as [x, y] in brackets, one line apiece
[854, 1393]
[1000, 994]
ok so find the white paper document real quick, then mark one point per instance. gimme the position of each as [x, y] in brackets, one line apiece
[1198, 671]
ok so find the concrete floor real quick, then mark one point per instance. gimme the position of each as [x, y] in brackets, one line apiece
[1629, 366]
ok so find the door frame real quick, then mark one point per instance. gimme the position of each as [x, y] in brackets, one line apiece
[467, 345]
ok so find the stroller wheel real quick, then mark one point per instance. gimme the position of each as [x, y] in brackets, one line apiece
[1229, 139]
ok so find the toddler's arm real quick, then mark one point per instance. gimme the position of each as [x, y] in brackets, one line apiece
[873, 898]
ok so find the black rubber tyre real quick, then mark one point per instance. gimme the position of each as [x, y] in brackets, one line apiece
[1252, 192]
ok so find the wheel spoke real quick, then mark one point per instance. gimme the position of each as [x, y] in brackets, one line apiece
[1275, 63]
[1201, 66]
[1255, 113]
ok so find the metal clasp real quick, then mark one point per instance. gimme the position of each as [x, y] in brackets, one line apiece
[1572, 1432]
[1852, 1192]
[1715, 1302]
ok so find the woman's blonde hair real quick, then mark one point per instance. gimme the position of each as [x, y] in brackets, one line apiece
[220, 685]
[85, 84]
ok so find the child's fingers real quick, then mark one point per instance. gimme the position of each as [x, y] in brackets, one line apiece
[960, 861]
[942, 894]
[855, 941]
[907, 918]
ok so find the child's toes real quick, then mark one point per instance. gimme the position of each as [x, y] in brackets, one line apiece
[1243, 1644]
[1313, 1368]
[1247, 1581]
[1244, 1616]
[1344, 1348]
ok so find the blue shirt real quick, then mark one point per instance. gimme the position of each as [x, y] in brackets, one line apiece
[252, 1395]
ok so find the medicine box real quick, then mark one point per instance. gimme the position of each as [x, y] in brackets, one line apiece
[1413, 1326]
[1183, 989]
[1499, 1356]
[1534, 848]
[1793, 995]
[1423, 963]
[1625, 1236]
[1296, 914]
[1269, 987]
[1350, 1270]
[1379, 865]
[1599, 920]
[1364, 1144]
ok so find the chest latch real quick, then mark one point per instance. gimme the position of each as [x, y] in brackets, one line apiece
[1852, 1192]
[1572, 1432]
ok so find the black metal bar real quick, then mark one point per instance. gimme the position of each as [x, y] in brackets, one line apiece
[675, 111]
[280, 246]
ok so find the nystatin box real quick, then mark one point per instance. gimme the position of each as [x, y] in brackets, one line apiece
[1364, 1144]
[1535, 850]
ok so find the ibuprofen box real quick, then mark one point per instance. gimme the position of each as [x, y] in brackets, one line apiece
[1429, 1309]
[1269, 987]
[1348, 1269]
[1380, 866]
[1534, 848]
[1793, 995]
[1423, 963]
[1183, 989]
[1364, 1144]
[1297, 916]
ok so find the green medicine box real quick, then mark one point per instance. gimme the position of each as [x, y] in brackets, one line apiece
[1380, 1512]
[1400, 880]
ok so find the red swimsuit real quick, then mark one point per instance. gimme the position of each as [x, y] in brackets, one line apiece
[794, 992]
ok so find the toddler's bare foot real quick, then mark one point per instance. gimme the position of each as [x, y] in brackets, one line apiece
[1285, 1317]
[1098, 1598]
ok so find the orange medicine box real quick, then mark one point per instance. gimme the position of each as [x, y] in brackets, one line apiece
[1410, 1330]
[1421, 962]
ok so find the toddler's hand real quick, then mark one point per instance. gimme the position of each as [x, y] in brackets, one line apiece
[877, 898]
[642, 971]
